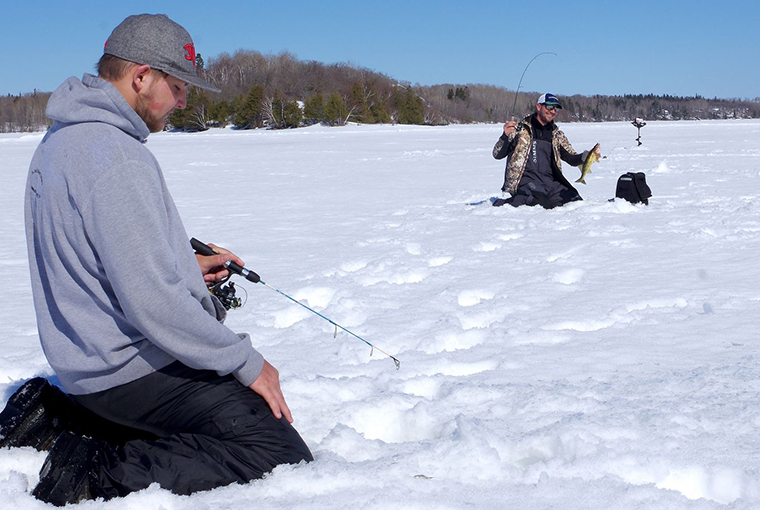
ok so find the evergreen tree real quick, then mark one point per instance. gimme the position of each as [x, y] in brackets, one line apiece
[379, 112]
[314, 109]
[359, 103]
[248, 108]
[195, 114]
[219, 113]
[409, 105]
[178, 118]
[335, 109]
[292, 115]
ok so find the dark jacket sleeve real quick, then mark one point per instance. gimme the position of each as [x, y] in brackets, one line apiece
[572, 159]
[566, 151]
[504, 145]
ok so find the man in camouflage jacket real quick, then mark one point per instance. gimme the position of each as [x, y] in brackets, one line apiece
[535, 148]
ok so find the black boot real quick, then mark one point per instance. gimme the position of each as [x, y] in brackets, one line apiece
[31, 416]
[70, 472]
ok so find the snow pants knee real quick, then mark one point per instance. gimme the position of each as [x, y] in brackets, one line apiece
[548, 199]
[194, 430]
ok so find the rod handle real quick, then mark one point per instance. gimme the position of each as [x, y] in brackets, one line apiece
[204, 249]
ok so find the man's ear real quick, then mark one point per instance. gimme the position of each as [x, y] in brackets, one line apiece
[141, 77]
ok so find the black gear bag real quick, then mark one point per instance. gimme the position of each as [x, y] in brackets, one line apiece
[632, 186]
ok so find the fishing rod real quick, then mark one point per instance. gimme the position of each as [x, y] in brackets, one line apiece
[512, 114]
[251, 276]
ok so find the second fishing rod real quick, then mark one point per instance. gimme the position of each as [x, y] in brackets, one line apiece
[204, 249]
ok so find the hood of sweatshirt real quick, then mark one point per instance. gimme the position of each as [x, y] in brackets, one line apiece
[93, 99]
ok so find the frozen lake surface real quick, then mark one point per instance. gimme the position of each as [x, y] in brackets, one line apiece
[598, 355]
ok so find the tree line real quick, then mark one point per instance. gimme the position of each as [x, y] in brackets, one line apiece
[281, 91]
[24, 112]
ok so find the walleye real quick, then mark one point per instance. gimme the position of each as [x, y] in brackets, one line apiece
[593, 157]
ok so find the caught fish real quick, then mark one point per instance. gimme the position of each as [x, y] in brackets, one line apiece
[593, 157]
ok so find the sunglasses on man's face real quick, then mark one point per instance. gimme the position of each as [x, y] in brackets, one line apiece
[551, 108]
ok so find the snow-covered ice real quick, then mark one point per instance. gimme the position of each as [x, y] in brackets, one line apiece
[599, 355]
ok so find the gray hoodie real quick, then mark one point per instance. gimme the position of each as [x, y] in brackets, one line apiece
[117, 288]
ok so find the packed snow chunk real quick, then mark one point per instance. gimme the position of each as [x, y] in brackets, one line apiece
[393, 421]
[569, 277]
[351, 445]
[349, 318]
[723, 485]
[658, 303]
[486, 246]
[465, 369]
[289, 316]
[15, 488]
[581, 325]
[427, 387]
[413, 249]
[315, 297]
[394, 278]
[467, 454]
[565, 254]
[474, 296]
[351, 267]
[454, 341]
[23, 464]
[439, 261]
[662, 168]
[510, 237]
[481, 320]
[542, 337]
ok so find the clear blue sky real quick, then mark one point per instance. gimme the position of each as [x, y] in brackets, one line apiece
[674, 47]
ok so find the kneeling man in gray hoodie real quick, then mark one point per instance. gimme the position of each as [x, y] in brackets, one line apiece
[157, 389]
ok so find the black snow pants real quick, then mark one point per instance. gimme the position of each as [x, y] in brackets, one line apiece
[191, 430]
[548, 199]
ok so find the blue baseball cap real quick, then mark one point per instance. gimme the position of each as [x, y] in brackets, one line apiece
[549, 100]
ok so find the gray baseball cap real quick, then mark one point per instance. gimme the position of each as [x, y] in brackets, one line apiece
[159, 42]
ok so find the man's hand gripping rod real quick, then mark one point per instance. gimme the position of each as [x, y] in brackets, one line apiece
[204, 249]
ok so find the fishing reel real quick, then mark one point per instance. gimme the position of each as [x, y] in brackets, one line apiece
[226, 294]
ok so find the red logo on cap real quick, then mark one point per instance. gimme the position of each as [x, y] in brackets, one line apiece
[190, 49]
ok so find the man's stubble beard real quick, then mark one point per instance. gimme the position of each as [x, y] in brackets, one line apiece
[142, 108]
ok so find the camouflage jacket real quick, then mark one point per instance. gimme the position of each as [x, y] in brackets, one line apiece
[517, 146]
